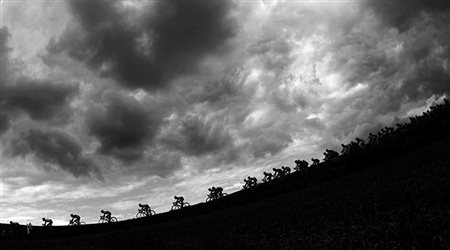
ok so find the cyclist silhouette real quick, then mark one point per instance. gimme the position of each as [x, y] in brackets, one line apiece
[179, 203]
[13, 223]
[267, 177]
[144, 207]
[75, 219]
[250, 182]
[144, 210]
[47, 222]
[215, 193]
[179, 200]
[315, 162]
[107, 215]
[218, 192]
[212, 191]
[286, 170]
[278, 173]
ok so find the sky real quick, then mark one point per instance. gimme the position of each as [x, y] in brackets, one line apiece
[108, 104]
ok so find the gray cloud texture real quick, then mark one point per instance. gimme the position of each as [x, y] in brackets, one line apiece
[402, 14]
[195, 137]
[155, 48]
[41, 100]
[289, 74]
[124, 127]
[55, 147]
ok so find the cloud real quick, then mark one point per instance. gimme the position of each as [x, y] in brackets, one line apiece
[123, 126]
[40, 99]
[4, 122]
[401, 14]
[215, 93]
[270, 143]
[152, 49]
[195, 136]
[4, 49]
[58, 148]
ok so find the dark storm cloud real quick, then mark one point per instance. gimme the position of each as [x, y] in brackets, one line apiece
[57, 148]
[4, 122]
[217, 92]
[194, 136]
[41, 100]
[271, 142]
[4, 53]
[167, 42]
[125, 127]
[402, 13]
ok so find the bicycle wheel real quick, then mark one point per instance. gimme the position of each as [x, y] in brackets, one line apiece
[209, 199]
[102, 220]
[113, 219]
[140, 215]
[186, 204]
[224, 194]
[152, 212]
[82, 223]
[71, 224]
[175, 207]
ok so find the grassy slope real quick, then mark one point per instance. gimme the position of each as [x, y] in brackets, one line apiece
[401, 203]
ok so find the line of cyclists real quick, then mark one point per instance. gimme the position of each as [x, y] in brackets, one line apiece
[144, 210]
[277, 173]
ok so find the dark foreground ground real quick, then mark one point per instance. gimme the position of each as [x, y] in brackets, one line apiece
[403, 203]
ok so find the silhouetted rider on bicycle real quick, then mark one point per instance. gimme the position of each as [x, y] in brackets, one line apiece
[107, 215]
[267, 177]
[250, 182]
[278, 172]
[179, 201]
[218, 192]
[75, 219]
[286, 170]
[212, 192]
[47, 222]
[145, 208]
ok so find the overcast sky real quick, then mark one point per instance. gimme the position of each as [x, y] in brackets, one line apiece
[108, 104]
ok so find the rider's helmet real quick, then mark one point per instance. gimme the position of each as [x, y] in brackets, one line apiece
[140, 204]
[43, 218]
[102, 211]
[71, 215]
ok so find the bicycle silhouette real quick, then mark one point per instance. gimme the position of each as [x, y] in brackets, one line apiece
[104, 219]
[177, 205]
[214, 196]
[144, 213]
[71, 223]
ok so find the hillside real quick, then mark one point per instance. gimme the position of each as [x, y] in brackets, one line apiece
[403, 202]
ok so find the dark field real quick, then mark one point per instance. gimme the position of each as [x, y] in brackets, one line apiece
[400, 204]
